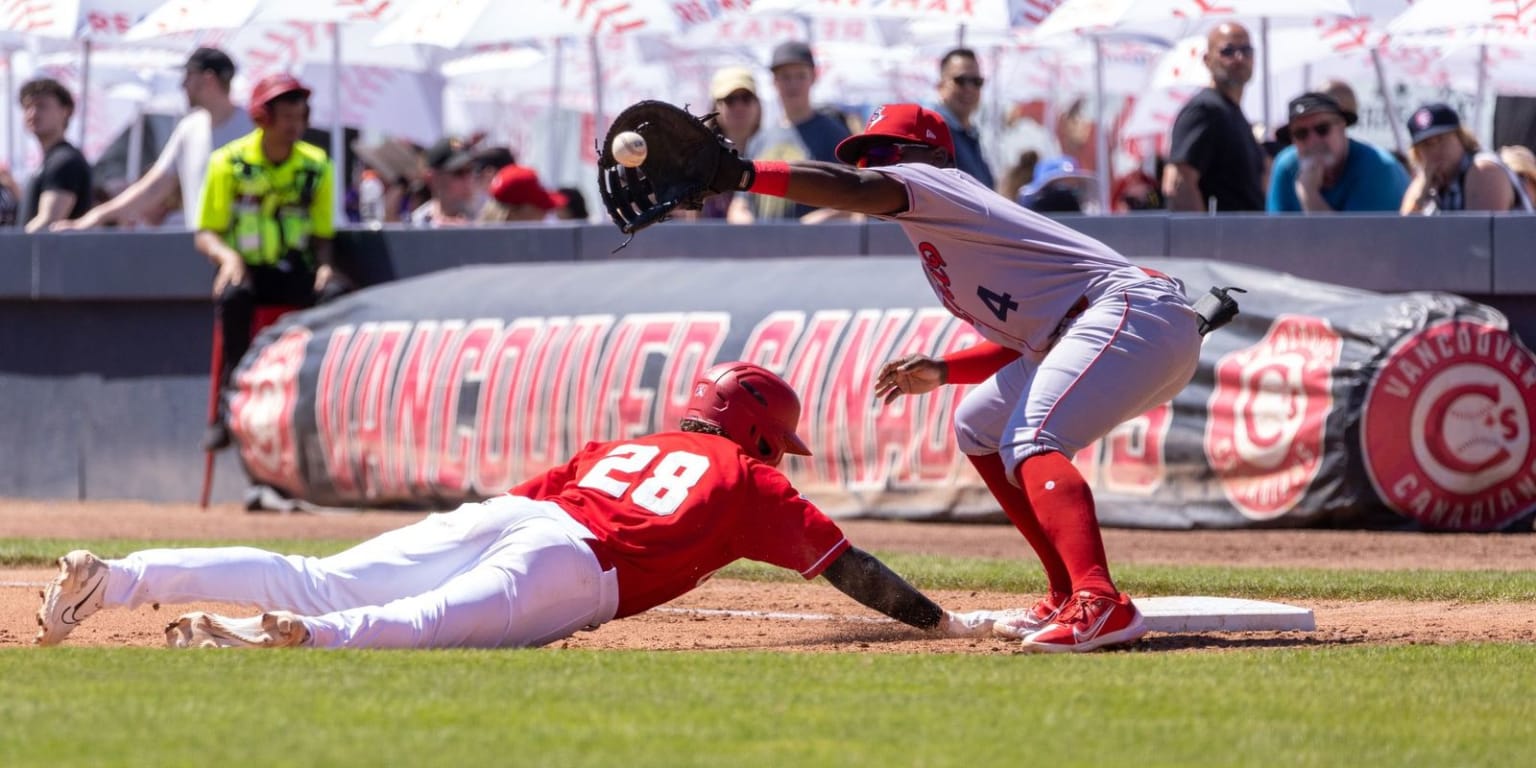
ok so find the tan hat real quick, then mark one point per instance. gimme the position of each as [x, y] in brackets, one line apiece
[730, 80]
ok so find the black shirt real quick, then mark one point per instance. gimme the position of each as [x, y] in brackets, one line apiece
[64, 170]
[1212, 135]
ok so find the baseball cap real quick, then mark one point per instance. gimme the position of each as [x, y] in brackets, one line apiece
[1312, 103]
[899, 123]
[212, 60]
[1432, 120]
[1053, 169]
[730, 80]
[792, 52]
[519, 185]
[447, 155]
[493, 158]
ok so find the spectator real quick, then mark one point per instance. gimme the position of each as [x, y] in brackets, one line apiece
[800, 133]
[10, 197]
[960, 83]
[575, 208]
[1323, 170]
[488, 161]
[734, 91]
[1058, 187]
[1215, 165]
[518, 195]
[450, 177]
[62, 187]
[213, 122]
[266, 221]
[1135, 191]
[1523, 162]
[1451, 170]
[398, 164]
[1018, 175]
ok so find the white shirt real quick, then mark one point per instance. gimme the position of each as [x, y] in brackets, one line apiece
[188, 149]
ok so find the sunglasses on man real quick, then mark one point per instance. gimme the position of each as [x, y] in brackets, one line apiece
[737, 99]
[973, 81]
[1303, 133]
[885, 154]
[1228, 51]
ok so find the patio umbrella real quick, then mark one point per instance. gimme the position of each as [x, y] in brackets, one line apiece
[1478, 25]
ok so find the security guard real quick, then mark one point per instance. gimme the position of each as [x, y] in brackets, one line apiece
[266, 222]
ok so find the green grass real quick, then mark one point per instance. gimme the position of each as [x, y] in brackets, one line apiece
[1400, 706]
[999, 575]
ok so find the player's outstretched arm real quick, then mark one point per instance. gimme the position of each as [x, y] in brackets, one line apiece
[833, 185]
[864, 578]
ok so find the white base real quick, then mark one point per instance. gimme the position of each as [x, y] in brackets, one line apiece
[1222, 614]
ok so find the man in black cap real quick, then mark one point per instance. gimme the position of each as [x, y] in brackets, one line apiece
[450, 176]
[1323, 170]
[214, 121]
[1452, 172]
[802, 133]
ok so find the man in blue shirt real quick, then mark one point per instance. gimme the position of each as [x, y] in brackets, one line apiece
[1324, 171]
[960, 83]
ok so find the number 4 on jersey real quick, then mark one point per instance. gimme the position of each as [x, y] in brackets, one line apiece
[1000, 303]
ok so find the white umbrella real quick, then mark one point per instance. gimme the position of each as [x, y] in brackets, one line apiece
[265, 36]
[1477, 25]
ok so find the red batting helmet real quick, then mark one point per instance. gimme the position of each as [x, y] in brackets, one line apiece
[753, 407]
[271, 87]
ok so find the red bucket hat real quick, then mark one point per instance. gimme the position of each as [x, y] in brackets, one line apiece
[898, 122]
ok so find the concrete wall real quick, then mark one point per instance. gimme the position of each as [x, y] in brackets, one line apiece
[104, 337]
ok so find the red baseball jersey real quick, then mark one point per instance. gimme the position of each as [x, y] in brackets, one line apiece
[670, 509]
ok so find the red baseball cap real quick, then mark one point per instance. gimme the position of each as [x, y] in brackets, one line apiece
[898, 122]
[519, 185]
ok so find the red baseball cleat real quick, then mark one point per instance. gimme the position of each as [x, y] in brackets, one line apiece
[1016, 625]
[1088, 622]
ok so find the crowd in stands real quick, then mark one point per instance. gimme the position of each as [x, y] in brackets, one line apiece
[1218, 160]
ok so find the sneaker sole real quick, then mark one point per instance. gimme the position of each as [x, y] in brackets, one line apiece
[206, 630]
[1130, 634]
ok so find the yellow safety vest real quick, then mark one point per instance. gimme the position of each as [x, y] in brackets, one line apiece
[268, 212]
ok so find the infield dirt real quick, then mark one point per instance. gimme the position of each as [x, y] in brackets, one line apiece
[851, 627]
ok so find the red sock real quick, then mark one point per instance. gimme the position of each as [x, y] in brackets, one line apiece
[1016, 506]
[1064, 505]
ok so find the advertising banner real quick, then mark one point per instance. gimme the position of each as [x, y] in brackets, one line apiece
[1319, 405]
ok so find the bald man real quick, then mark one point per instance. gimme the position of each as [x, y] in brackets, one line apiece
[1215, 164]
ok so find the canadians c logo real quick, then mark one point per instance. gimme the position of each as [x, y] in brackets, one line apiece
[1269, 413]
[1447, 426]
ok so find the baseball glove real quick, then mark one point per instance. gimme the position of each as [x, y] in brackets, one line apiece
[687, 160]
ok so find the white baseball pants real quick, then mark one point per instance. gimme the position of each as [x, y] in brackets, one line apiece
[504, 572]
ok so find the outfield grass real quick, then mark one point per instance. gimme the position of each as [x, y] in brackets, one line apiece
[1400, 706]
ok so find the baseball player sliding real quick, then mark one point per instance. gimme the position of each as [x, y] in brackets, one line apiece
[1078, 339]
[621, 528]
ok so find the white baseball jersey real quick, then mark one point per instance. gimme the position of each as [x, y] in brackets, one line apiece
[1008, 271]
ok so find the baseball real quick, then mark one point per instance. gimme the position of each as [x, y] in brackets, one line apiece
[629, 149]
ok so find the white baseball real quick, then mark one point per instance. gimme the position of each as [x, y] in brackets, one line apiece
[629, 149]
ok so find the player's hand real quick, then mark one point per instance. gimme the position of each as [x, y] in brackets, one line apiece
[910, 375]
[231, 273]
[973, 624]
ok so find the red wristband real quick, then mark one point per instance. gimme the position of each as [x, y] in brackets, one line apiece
[974, 365]
[772, 177]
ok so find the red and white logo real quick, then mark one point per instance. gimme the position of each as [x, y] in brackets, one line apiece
[1268, 415]
[261, 411]
[1447, 424]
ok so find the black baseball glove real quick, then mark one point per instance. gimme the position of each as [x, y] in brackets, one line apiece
[687, 160]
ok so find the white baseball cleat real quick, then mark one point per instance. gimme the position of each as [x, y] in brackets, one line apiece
[1018, 624]
[72, 597]
[275, 629]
